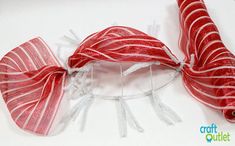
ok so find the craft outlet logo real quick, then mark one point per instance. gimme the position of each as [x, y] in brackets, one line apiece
[212, 134]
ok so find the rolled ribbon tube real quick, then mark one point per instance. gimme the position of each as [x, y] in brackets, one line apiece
[211, 78]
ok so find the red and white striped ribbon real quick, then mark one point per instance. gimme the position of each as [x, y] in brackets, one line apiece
[211, 80]
[32, 80]
[31, 83]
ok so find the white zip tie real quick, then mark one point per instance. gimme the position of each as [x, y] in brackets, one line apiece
[153, 29]
[160, 108]
[70, 40]
[124, 113]
[91, 99]
[170, 55]
[155, 102]
[192, 60]
[121, 119]
[82, 105]
[86, 106]
[121, 111]
[75, 40]
[138, 66]
[130, 117]
[78, 107]
[75, 36]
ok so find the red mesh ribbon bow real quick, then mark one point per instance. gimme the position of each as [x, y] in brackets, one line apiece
[32, 80]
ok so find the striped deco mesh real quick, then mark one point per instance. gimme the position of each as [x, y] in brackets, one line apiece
[32, 81]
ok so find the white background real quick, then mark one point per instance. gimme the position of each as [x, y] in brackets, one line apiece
[21, 20]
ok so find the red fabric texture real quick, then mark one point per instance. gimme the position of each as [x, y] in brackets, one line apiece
[32, 80]
[31, 83]
[211, 80]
